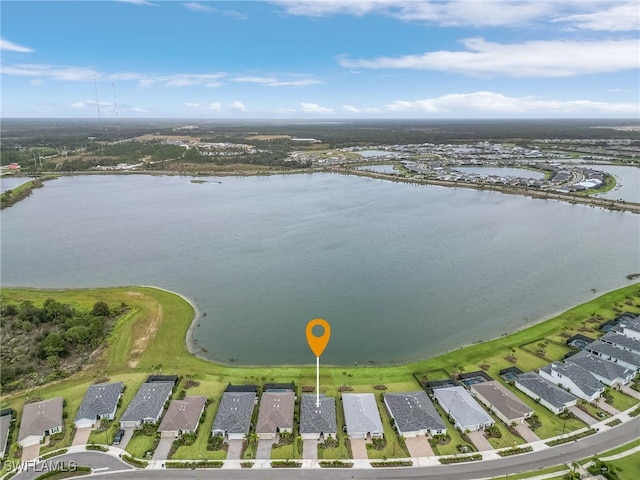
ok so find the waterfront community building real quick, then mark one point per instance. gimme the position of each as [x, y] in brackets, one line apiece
[183, 416]
[233, 417]
[362, 416]
[609, 373]
[575, 379]
[147, 404]
[100, 402]
[465, 412]
[317, 422]
[275, 414]
[40, 420]
[548, 394]
[414, 414]
[503, 403]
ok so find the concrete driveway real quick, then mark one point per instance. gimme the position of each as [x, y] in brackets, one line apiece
[419, 447]
[31, 452]
[82, 436]
[310, 449]
[526, 433]
[478, 439]
[359, 448]
[582, 415]
[263, 452]
[235, 449]
[128, 434]
[606, 407]
[162, 450]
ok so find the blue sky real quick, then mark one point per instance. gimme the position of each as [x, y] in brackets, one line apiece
[321, 59]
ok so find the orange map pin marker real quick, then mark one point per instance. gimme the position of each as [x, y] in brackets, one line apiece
[318, 344]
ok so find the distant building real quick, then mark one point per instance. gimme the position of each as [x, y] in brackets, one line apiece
[6, 418]
[607, 372]
[574, 378]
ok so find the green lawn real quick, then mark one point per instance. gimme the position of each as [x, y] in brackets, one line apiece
[622, 401]
[139, 445]
[508, 439]
[150, 338]
[627, 468]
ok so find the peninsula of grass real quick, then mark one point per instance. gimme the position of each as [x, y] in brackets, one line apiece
[150, 338]
[13, 196]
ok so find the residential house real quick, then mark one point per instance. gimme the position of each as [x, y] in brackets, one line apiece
[464, 411]
[502, 402]
[233, 417]
[607, 372]
[6, 418]
[631, 328]
[147, 405]
[100, 402]
[183, 416]
[614, 354]
[39, 420]
[622, 341]
[548, 394]
[574, 378]
[362, 416]
[414, 414]
[275, 414]
[317, 421]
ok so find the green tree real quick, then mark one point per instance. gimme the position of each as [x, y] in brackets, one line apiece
[101, 309]
[54, 344]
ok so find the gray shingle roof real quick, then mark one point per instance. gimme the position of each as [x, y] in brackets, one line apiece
[462, 407]
[148, 402]
[183, 414]
[578, 375]
[361, 413]
[599, 366]
[234, 412]
[276, 411]
[502, 400]
[413, 411]
[318, 419]
[547, 391]
[614, 352]
[633, 324]
[40, 416]
[100, 400]
[5, 426]
[621, 341]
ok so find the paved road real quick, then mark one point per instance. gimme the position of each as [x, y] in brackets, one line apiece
[569, 452]
[98, 461]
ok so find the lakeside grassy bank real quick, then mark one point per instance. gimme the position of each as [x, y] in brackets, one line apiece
[151, 338]
[11, 197]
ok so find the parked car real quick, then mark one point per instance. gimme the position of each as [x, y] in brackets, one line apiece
[118, 438]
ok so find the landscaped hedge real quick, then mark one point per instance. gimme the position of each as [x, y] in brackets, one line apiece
[285, 464]
[393, 463]
[134, 461]
[461, 458]
[514, 451]
[635, 412]
[197, 464]
[246, 464]
[335, 464]
[100, 448]
[55, 453]
[577, 436]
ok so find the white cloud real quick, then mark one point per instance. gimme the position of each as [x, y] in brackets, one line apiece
[314, 108]
[239, 106]
[618, 17]
[143, 3]
[493, 104]
[351, 109]
[54, 72]
[90, 103]
[198, 7]
[542, 58]
[36, 82]
[8, 46]
[449, 13]
[294, 81]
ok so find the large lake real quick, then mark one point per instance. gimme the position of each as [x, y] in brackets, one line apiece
[400, 271]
